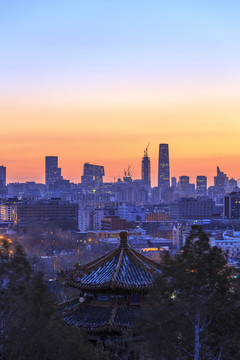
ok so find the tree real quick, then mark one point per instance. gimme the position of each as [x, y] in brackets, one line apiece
[39, 240]
[192, 310]
[31, 327]
[127, 346]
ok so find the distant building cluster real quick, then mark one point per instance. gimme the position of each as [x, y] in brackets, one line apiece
[92, 206]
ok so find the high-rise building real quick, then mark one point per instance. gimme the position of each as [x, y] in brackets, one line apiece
[220, 181]
[52, 171]
[232, 186]
[163, 167]
[146, 168]
[84, 220]
[201, 185]
[185, 187]
[232, 206]
[92, 175]
[174, 182]
[183, 183]
[3, 175]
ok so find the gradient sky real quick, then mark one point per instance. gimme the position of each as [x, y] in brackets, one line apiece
[95, 81]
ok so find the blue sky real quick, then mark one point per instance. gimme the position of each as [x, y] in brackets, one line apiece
[78, 76]
[147, 41]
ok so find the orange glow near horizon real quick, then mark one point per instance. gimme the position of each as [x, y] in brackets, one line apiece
[96, 81]
[200, 137]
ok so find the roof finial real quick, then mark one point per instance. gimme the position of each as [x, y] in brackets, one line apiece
[123, 238]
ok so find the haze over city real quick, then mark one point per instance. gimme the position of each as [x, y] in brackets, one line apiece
[95, 82]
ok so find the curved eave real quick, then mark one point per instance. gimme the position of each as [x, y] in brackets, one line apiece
[86, 268]
[115, 320]
[108, 286]
[114, 265]
[106, 329]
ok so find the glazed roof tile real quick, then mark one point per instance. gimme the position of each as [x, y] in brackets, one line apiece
[122, 268]
[97, 319]
[89, 317]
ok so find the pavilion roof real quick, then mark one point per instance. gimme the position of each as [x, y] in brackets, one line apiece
[97, 317]
[122, 268]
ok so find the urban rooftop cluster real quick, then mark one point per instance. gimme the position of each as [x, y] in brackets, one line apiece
[127, 204]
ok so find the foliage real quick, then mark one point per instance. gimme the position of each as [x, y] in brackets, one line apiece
[128, 346]
[39, 240]
[193, 310]
[31, 326]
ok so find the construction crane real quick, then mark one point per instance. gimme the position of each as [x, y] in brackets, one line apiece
[128, 174]
[146, 150]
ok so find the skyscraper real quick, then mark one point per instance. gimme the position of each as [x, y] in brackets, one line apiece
[185, 187]
[52, 171]
[3, 175]
[183, 183]
[174, 182]
[92, 175]
[220, 181]
[201, 185]
[146, 168]
[163, 167]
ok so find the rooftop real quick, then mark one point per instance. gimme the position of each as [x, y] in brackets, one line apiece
[96, 317]
[121, 269]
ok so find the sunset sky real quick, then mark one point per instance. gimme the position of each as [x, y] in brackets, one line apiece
[95, 81]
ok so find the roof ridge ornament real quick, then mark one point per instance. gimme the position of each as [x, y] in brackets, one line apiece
[122, 269]
[123, 238]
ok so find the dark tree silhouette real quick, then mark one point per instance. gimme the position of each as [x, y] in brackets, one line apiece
[31, 327]
[193, 309]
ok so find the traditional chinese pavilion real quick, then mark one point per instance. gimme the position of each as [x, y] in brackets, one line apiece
[112, 289]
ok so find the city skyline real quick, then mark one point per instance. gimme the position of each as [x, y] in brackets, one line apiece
[56, 171]
[95, 82]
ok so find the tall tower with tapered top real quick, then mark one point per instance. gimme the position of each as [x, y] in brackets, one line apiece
[146, 168]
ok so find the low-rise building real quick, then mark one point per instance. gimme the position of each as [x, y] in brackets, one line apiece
[113, 223]
[157, 216]
[231, 245]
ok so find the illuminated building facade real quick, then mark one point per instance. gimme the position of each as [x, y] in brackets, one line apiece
[232, 206]
[157, 216]
[8, 212]
[163, 167]
[201, 185]
[183, 183]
